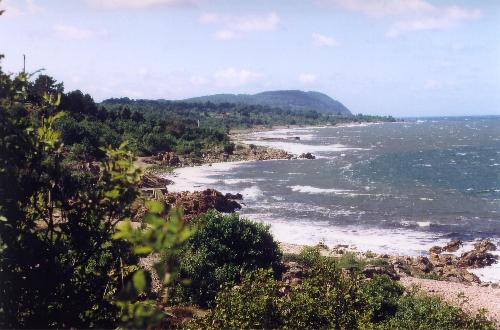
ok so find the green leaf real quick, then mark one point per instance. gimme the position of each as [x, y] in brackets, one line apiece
[2, 218]
[142, 249]
[155, 206]
[139, 280]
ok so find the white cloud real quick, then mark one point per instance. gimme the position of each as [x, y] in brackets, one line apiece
[21, 7]
[225, 35]
[432, 84]
[320, 40]
[198, 80]
[233, 26]
[137, 4]
[72, 33]
[307, 78]
[231, 77]
[410, 15]
[385, 7]
[446, 18]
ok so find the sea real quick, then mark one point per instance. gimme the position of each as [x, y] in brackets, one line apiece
[397, 188]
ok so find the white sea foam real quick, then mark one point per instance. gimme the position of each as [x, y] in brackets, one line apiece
[396, 241]
[252, 193]
[199, 177]
[299, 148]
[315, 190]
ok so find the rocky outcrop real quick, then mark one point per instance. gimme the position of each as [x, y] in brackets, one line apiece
[453, 246]
[477, 259]
[152, 181]
[196, 203]
[237, 196]
[307, 155]
[370, 271]
[167, 159]
[484, 245]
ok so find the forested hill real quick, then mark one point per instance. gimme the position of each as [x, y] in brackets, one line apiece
[284, 99]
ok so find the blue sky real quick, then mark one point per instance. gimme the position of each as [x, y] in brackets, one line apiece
[405, 58]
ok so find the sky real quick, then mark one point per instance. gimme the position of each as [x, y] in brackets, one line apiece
[386, 57]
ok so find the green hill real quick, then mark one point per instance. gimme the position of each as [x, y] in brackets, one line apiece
[285, 99]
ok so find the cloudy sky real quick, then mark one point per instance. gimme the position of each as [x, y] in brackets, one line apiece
[405, 58]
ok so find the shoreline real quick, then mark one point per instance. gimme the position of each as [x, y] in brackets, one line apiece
[196, 178]
[445, 288]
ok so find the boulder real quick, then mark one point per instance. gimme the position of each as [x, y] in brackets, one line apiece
[457, 275]
[370, 271]
[477, 259]
[441, 260]
[152, 181]
[435, 249]
[400, 265]
[422, 264]
[453, 246]
[198, 202]
[307, 155]
[237, 196]
[167, 158]
[484, 245]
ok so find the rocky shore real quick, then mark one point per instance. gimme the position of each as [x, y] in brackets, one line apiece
[444, 271]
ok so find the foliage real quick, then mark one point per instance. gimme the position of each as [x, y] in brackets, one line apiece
[382, 296]
[219, 251]
[415, 311]
[58, 260]
[326, 299]
[60, 267]
[329, 299]
[160, 237]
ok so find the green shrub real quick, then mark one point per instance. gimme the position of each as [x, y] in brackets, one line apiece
[417, 311]
[325, 300]
[382, 295]
[254, 304]
[221, 249]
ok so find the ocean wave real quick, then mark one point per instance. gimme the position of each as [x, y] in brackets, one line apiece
[300, 148]
[316, 190]
[251, 193]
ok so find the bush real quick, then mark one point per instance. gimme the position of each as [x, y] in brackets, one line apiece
[221, 249]
[416, 312]
[325, 300]
[254, 304]
[382, 295]
[329, 299]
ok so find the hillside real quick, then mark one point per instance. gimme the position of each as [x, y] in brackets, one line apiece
[285, 99]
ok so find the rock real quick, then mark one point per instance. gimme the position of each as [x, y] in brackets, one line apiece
[168, 159]
[477, 259]
[152, 181]
[237, 196]
[307, 155]
[453, 246]
[484, 245]
[370, 270]
[422, 264]
[198, 202]
[400, 265]
[457, 275]
[441, 260]
[435, 249]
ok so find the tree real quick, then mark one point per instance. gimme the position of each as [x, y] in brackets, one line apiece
[60, 266]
